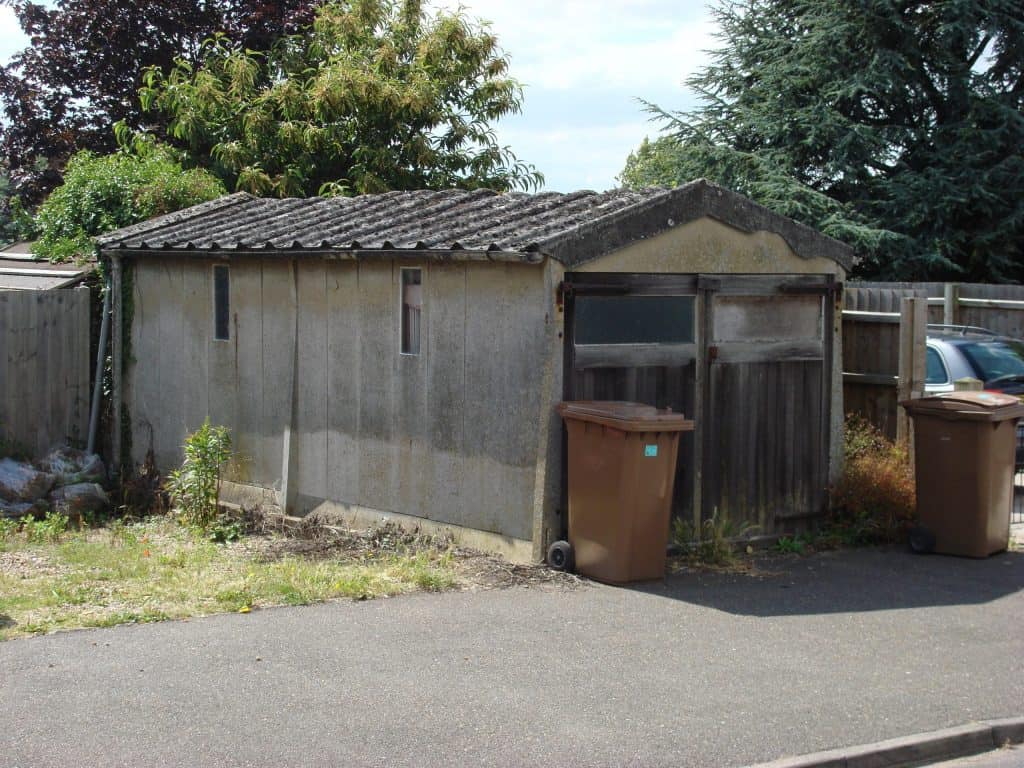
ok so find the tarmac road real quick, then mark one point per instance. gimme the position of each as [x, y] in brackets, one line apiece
[705, 670]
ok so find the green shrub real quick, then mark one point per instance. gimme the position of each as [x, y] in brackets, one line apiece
[103, 193]
[195, 488]
[874, 500]
[50, 528]
[8, 528]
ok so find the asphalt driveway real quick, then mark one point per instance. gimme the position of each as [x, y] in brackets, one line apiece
[833, 650]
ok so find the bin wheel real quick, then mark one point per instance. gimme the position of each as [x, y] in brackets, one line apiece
[560, 556]
[922, 541]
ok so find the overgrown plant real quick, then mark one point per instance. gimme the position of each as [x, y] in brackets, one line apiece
[195, 488]
[874, 500]
[713, 542]
[50, 528]
[794, 545]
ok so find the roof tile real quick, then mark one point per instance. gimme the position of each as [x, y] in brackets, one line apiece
[569, 227]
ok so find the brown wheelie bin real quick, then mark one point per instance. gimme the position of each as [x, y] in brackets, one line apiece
[965, 450]
[622, 466]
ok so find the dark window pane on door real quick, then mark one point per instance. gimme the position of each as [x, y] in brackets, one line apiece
[634, 319]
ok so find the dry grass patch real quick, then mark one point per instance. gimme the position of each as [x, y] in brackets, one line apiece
[156, 569]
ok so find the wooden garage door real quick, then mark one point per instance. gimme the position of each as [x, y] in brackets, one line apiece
[766, 398]
[747, 356]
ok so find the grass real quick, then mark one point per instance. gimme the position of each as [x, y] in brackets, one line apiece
[156, 570]
[713, 544]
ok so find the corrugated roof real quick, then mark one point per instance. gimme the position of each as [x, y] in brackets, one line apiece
[21, 271]
[572, 227]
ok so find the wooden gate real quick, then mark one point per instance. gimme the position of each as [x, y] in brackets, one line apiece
[766, 398]
[748, 356]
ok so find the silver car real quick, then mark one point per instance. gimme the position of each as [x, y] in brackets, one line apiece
[957, 352]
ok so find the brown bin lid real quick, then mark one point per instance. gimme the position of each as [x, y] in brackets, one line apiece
[629, 417]
[970, 406]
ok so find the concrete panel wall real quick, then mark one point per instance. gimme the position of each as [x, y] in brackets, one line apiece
[708, 246]
[451, 435]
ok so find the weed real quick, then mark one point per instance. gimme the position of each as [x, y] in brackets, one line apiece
[195, 488]
[50, 528]
[225, 529]
[141, 490]
[713, 543]
[8, 528]
[155, 569]
[794, 545]
[874, 500]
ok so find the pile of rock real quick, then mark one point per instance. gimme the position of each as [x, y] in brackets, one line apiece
[66, 480]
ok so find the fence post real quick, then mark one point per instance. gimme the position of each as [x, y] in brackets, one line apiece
[913, 330]
[116, 363]
[951, 303]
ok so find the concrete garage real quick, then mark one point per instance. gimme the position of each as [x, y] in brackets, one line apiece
[402, 354]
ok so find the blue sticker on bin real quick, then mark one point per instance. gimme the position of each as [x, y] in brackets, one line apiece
[650, 450]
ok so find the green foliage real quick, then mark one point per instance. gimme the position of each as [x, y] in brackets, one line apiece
[15, 222]
[714, 542]
[874, 500]
[8, 528]
[80, 71]
[49, 528]
[102, 193]
[896, 127]
[376, 96]
[794, 545]
[225, 528]
[195, 488]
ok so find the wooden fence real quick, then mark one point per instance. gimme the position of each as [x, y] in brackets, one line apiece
[884, 332]
[44, 367]
[998, 308]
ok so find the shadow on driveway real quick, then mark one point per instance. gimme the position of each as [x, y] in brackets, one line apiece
[849, 581]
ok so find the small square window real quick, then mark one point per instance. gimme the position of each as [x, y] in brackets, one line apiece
[221, 308]
[412, 305]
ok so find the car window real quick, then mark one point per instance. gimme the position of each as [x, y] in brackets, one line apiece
[935, 372]
[993, 359]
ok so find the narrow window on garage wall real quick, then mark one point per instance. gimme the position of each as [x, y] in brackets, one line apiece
[412, 306]
[221, 308]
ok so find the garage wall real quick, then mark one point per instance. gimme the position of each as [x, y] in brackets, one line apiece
[709, 246]
[451, 434]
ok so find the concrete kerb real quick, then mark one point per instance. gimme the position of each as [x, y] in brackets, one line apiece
[921, 749]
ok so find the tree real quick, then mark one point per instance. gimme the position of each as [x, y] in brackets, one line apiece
[896, 126]
[103, 193]
[376, 95]
[15, 222]
[81, 73]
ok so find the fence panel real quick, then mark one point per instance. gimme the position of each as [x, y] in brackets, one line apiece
[998, 308]
[883, 353]
[44, 367]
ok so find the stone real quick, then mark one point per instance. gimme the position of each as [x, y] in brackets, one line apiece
[19, 509]
[71, 466]
[79, 498]
[23, 482]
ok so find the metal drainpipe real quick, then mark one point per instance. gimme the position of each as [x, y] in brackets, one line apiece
[97, 389]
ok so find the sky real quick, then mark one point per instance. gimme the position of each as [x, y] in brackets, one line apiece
[583, 65]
